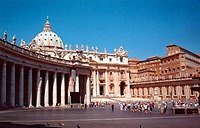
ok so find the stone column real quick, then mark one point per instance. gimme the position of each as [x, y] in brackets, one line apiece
[94, 84]
[77, 83]
[98, 89]
[88, 95]
[128, 94]
[187, 92]
[46, 93]
[70, 89]
[12, 88]
[145, 92]
[63, 90]
[163, 92]
[21, 87]
[54, 89]
[135, 92]
[38, 87]
[30, 104]
[106, 78]
[3, 89]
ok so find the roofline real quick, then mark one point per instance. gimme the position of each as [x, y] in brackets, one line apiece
[184, 49]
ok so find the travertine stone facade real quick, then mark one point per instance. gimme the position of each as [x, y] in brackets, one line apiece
[165, 77]
[46, 73]
[38, 75]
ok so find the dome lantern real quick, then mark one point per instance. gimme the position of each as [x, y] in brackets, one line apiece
[47, 26]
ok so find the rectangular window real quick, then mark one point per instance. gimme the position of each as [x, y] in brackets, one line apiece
[167, 91]
[183, 92]
[101, 74]
[192, 92]
[161, 91]
[175, 91]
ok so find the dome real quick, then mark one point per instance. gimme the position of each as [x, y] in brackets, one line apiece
[47, 38]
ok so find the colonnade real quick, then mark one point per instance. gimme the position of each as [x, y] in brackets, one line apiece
[23, 85]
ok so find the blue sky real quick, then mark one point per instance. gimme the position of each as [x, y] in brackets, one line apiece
[143, 27]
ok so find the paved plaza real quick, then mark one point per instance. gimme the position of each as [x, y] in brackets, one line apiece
[94, 118]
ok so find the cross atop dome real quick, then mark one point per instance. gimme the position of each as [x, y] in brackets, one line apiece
[47, 26]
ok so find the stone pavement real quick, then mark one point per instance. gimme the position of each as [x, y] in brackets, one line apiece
[94, 118]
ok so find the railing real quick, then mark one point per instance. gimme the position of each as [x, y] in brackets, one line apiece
[31, 53]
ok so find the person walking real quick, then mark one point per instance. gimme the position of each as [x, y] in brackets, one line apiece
[112, 106]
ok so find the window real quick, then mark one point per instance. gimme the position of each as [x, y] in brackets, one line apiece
[183, 92]
[121, 59]
[101, 74]
[192, 92]
[160, 91]
[167, 91]
[110, 59]
[175, 91]
[101, 59]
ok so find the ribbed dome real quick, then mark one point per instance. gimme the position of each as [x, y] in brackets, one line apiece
[47, 38]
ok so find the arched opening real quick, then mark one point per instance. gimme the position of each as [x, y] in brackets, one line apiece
[122, 87]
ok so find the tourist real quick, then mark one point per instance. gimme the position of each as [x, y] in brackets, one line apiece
[112, 106]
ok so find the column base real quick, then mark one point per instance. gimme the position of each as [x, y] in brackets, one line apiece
[128, 96]
[38, 106]
[46, 105]
[54, 105]
[62, 105]
[31, 106]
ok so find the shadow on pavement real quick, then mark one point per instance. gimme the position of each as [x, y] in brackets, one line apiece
[13, 125]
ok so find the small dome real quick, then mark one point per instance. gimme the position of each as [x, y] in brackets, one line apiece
[47, 38]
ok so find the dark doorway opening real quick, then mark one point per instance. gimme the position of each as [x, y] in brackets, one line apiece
[75, 97]
[122, 87]
[101, 90]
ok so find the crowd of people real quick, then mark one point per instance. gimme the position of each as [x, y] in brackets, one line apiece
[180, 103]
[146, 107]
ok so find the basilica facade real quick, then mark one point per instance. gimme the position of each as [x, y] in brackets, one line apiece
[46, 73]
